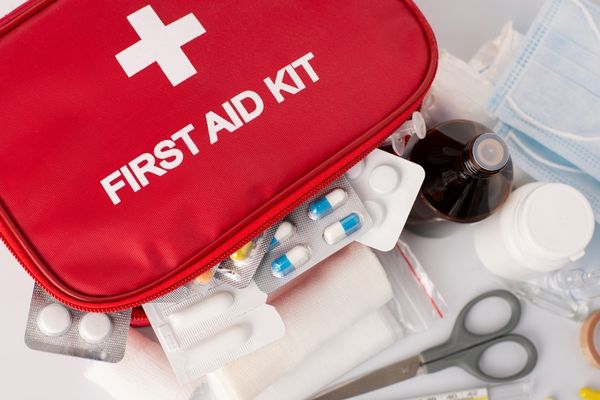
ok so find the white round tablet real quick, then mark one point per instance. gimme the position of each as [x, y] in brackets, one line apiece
[376, 211]
[54, 320]
[95, 328]
[384, 179]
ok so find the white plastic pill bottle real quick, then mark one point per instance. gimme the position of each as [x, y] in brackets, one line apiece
[541, 228]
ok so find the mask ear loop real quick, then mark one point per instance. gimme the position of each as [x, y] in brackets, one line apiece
[532, 121]
[511, 136]
[588, 17]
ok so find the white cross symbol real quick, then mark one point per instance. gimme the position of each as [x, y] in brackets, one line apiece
[161, 44]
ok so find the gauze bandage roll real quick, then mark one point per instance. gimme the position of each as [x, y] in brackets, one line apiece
[144, 373]
[368, 337]
[325, 302]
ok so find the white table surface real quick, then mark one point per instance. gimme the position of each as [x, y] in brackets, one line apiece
[461, 26]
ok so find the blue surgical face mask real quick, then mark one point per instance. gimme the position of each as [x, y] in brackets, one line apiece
[549, 97]
[547, 166]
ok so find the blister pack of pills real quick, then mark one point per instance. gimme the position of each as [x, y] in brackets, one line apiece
[210, 328]
[239, 269]
[388, 186]
[318, 228]
[55, 328]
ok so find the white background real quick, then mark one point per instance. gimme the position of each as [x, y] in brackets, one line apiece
[461, 26]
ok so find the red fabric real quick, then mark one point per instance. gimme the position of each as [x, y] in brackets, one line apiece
[70, 116]
[139, 318]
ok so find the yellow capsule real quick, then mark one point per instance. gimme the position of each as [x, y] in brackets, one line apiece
[589, 394]
[242, 253]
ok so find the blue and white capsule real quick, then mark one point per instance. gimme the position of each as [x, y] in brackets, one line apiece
[290, 261]
[283, 232]
[343, 228]
[325, 205]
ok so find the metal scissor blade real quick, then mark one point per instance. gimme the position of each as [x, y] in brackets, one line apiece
[380, 378]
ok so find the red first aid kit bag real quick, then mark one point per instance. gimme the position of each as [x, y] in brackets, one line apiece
[145, 141]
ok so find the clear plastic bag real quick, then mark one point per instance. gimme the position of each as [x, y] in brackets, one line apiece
[417, 301]
[462, 90]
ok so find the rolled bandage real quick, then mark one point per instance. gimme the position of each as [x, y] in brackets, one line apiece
[587, 339]
[368, 337]
[320, 305]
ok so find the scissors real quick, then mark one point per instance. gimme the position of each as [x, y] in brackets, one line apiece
[463, 349]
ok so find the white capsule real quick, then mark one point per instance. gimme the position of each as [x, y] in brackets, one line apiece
[95, 328]
[54, 320]
[325, 205]
[284, 231]
[287, 263]
[343, 228]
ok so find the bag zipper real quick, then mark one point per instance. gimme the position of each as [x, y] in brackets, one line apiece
[139, 318]
[356, 155]
[21, 13]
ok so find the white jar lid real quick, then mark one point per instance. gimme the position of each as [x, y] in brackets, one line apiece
[557, 223]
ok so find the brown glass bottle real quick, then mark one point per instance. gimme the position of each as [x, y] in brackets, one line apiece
[468, 173]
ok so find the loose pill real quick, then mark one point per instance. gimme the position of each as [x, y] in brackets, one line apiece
[325, 205]
[284, 231]
[342, 228]
[243, 253]
[54, 320]
[95, 328]
[287, 263]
